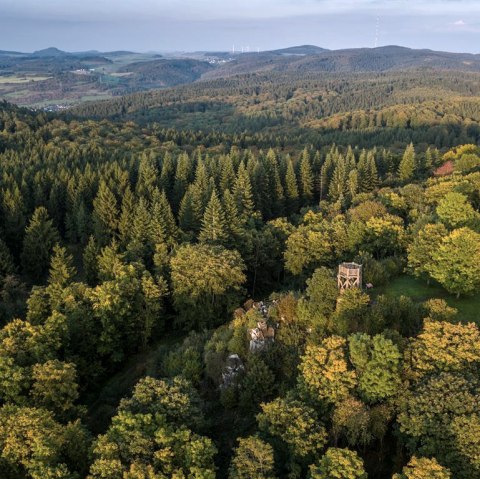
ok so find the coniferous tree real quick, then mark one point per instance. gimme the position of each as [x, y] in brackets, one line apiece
[291, 188]
[140, 246]
[13, 210]
[275, 188]
[352, 183]
[372, 173]
[167, 175]
[233, 221]
[62, 270]
[147, 176]
[338, 184]
[7, 265]
[105, 214]
[406, 170]
[126, 216]
[187, 217]
[214, 229]
[161, 207]
[306, 178]
[242, 192]
[227, 175]
[40, 238]
[182, 178]
[90, 265]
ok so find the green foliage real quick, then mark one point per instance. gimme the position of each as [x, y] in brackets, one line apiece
[351, 313]
[423, 468]
[428, 414]
[455, 262]
[31, 439]
[40, 238]
[206, 282]
[455, 211]
[406, 170]
[325, 370]
[319, 303]
[257, 385]
[377, 361]
[423, 247]
[176, 400]
[167, 228]
[253, 458]
[338, 464]
[214, 230]
[55, 387]
[304, 437]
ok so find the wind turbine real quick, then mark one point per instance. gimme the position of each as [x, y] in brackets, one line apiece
[377, 31]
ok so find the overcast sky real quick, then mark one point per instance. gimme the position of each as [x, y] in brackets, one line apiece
[173, 25]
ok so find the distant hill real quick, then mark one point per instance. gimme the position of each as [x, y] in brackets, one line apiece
[116, 73]
[50, 52]
[9, 53]
[301, 50]
[118, 53]
[314, 59]
[167, 72]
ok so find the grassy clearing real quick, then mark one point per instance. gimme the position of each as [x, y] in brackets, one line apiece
[21, 79]
[468, 307]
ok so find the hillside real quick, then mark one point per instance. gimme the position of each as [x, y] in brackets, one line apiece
[360, 107]
[158, 73]
[31, 79]
[315, 60]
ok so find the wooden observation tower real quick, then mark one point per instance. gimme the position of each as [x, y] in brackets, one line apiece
[349, 276]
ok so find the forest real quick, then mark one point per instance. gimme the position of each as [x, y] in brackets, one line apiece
[432, 108]
[170, 306]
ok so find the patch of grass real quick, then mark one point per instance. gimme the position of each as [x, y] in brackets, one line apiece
[468, 306]
[22, 79]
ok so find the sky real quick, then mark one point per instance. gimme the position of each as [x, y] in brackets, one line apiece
[219, 25]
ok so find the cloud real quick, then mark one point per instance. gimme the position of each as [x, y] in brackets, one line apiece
[223, 9]
[459, 23]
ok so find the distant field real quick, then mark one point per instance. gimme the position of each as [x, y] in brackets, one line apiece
[468, 307]
[21, 79]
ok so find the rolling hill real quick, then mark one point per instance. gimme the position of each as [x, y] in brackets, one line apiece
[52, 76]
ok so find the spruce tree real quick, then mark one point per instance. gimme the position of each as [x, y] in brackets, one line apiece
[406, 170]
[338, 184]
[13, 212]
[139, 246]
[214, 229]
[372, 173]
[90, 264]
[187, 219]
[306, 178]
[7, 265]
[40, 238]
[291, 188]
[105, 214]
[352, 184]
[62, 270]
[161, 206]
[147, 176]
[60, 275]
[126, 216]
[233, 221]
[227, 175]
[182, 178]
[167, 174]
[242, 192]
[363, 174]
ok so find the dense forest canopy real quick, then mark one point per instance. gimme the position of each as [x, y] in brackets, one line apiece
[169, 300]
[423, 106]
